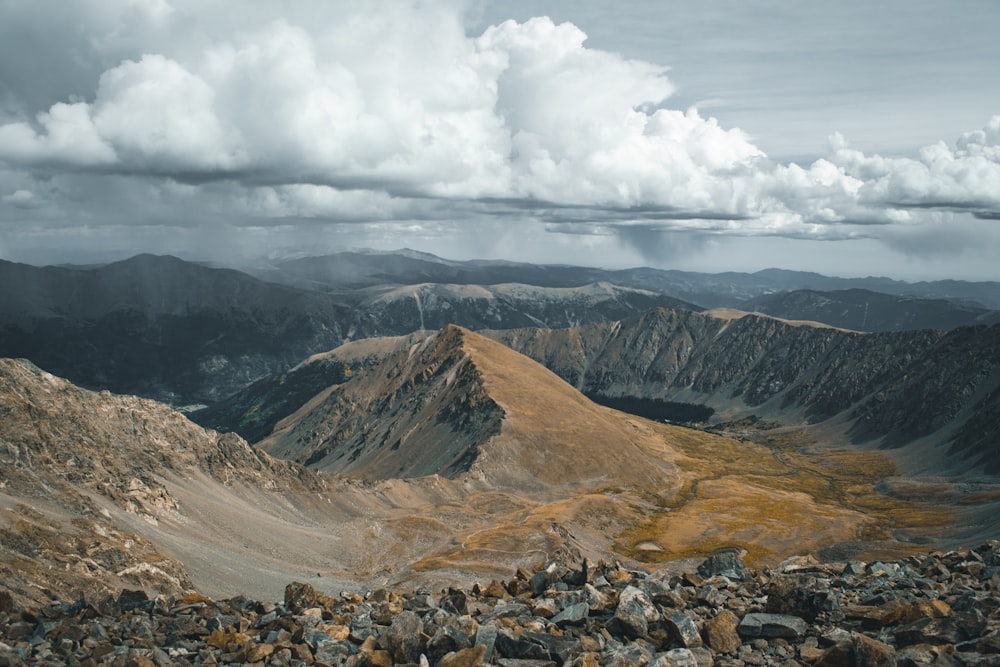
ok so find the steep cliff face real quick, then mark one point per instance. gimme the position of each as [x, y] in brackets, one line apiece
[892, 388]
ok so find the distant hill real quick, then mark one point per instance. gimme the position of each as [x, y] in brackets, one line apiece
[864, 310]
[357, 269]
[185, 333]
[162, 327]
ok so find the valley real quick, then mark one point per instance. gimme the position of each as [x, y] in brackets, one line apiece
[448, 455]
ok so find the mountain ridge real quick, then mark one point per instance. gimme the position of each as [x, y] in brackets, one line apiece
[708, 290]
[883, 389]
[458, 404]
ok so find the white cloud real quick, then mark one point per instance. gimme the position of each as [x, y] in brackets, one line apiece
[161, 118]
[963, 176]
[328, 112]
[67, 137]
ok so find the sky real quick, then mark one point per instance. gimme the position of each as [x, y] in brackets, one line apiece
[850, 138]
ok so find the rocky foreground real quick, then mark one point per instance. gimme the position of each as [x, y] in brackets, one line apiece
[935, 609]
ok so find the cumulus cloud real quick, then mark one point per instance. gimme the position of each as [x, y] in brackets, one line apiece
[186, 113]
[964, 176]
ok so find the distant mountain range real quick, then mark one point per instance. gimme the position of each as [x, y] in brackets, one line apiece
[864, 310]
[457, 459]
[191, 334]
[355, 269]
[185, 333]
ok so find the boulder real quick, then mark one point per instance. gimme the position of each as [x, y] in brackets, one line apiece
[803, 595]
[770, 626]
[682, 629]
[728, 563]
[720, 632]
[405, 637]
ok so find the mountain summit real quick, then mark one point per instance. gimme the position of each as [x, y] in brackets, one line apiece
[459, 404]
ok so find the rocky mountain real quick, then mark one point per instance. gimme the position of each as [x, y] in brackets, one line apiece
[462, 460]
[890, 389]
[458, 404]
[864, 310]
[504, 305]
[184, 333]
[99, 491]
[255, 411]
[161, 327]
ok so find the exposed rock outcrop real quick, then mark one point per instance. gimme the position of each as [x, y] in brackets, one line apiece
[929, 609]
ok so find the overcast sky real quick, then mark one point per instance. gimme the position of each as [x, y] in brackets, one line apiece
[849, 138]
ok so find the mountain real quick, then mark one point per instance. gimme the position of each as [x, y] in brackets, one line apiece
[453, 407]
[365, 268]
[506, 305]
[504, 465]
[458, 404]
[864, 310]
[161, 327]
[358, 269]
[100, 491]
[185, 333]
[254, 411]
[890, 389]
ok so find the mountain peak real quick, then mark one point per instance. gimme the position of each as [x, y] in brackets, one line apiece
[458, 404]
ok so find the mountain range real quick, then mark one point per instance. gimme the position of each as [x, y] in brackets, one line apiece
[360, 435]
[189, 334]
[457, 459]
[887, 390]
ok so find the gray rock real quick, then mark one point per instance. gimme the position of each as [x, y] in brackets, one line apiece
[560, 649]
[510, 646]
[486, 636]
[802, 595]
[634, 613]
[728, 563]
[575, 614]
[405, 637]
[772, 625]
[626, 655]
[447, 639]
[929, 631]
[682, 629]
[677, 657]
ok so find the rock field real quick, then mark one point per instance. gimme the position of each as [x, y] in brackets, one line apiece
[929, 609]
